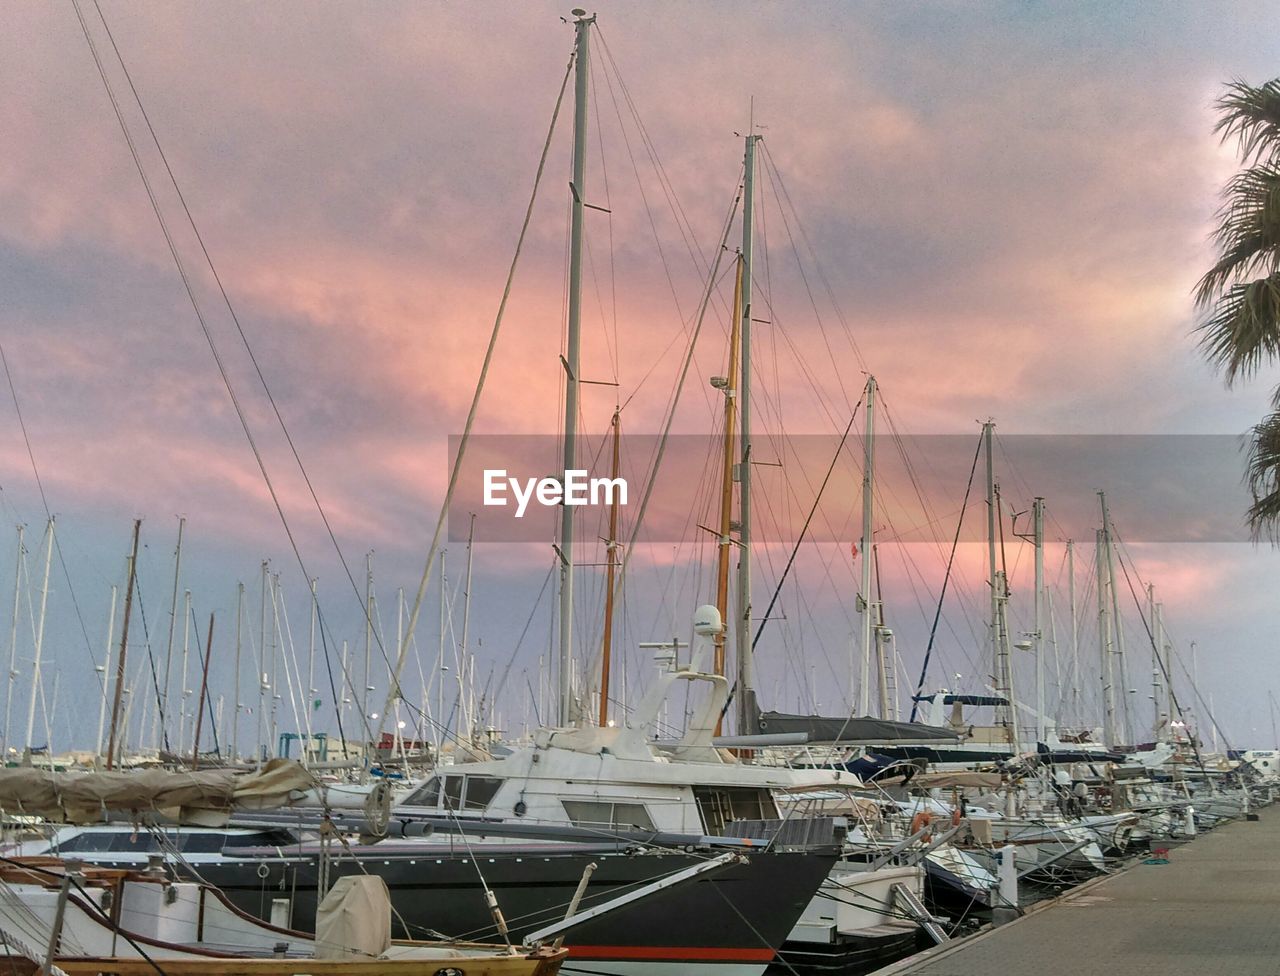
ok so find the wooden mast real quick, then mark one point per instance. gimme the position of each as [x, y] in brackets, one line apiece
[124, 646]
[611, 555]
[730, 388]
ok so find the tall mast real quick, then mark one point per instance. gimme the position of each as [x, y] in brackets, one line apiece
[39, 646]
[1104, 639]
[173, 619]
[582, 72]
[13, 645]
[124, 647]
[1037, 515]
[742, 639]
[186, 659]
[368, 630]
[868, 509]
[1118, 672]
[730, 387]
[611, 554]
[235, 719]
[1075, 631]
[106, 674]
[1005, 714]
[1157, 662]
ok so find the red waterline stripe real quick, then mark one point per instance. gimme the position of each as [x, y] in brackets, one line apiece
[670, 953]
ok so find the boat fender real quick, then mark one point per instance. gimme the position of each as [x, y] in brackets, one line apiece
[920, 821]
[955, 817]
[521, 808]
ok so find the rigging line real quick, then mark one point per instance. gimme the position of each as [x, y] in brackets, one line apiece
[795, 550]
[1173, 696]
[195, 305]
[822, 329]
[230, 308]
[151, 660]
[675, 400]
[394, 686]
[502, 682]
[817, 500]
[928, 651]
[57, 542]
[822, 276]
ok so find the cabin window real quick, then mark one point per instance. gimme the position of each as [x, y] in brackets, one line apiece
[453, 792]
[426, 795]
[480, 791]
[605, 813]
[720, 805]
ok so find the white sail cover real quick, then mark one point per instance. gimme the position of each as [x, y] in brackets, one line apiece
[354, 919]
[204, 797]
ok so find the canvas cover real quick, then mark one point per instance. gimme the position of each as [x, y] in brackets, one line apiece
[855, 731]
[204, 797]
[354, 919]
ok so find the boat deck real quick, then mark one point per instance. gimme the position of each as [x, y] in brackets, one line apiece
[1212, 909]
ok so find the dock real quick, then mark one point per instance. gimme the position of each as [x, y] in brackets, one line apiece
[1212, 909]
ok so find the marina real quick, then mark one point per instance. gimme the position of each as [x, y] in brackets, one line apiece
[1211, 906]
[680, 640]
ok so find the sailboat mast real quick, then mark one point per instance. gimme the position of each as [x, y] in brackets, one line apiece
[106, 677]
[124, 646]
[1037, 515]
[868, 511]
[235, 720]
[1104, 637]
[611, 551]
[730, 388]
[13, 645]
[1118, 671]
[173, 620]
[573, 354]
[39, 639]
[742, 638]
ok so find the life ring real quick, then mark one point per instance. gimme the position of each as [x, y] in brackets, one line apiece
[920, 822]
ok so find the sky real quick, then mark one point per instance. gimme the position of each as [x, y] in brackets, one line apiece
[1000, 210]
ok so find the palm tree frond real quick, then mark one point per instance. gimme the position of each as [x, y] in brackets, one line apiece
[1248, 231]
[1262, 476]
[1251, 115]
[1242, 329]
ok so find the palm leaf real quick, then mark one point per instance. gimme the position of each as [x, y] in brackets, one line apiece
[1262, 476]
[1248, 231]
[1251, 115]
[1241, 331]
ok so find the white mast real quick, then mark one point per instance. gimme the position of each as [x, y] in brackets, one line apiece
[742, 639]
[868, 508]
[368, 631]
[186, 657]
[1075, 631]
[572, 359]
[441, 667]
[1119, 672]
[1037, 514]
[262, 667]
[1104, 642]
[173, 619]
[106, 676]
[13, 644]
[1157, 671]
[235, 715]
[1005, 714]
[44, 602]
